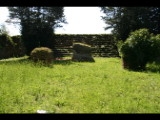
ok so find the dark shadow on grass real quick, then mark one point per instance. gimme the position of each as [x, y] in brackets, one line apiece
[154, 69]
[27, 59]
[135, 70]
[62, 62]
[150, 67]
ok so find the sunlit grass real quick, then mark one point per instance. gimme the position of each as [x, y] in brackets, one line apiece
[77, 87]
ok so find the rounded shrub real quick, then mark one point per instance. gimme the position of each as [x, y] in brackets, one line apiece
[42, 54]
[137, 50]
[155, 56]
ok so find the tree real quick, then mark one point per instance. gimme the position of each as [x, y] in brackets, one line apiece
[37, 24]
[3, 30]
[124, 20]
[155, 18]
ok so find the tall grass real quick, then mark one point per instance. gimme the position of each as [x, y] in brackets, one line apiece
[78, 87]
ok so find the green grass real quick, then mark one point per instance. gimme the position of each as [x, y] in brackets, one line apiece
[78, 87]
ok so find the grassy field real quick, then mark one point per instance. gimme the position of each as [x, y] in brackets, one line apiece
[75, 87]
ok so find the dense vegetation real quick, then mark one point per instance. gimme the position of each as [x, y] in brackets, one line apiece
[140, 48]
[124, 20]
[37, 24]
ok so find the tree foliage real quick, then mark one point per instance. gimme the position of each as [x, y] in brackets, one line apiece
[124, 20]
[140, 48]
[37, 24]
[3, 30]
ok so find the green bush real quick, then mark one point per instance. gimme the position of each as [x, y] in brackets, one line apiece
[6, 41]
[42, 54]
[19, 49]
[137, 50]
[6, 46]
[119, 45]
[155, 48]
